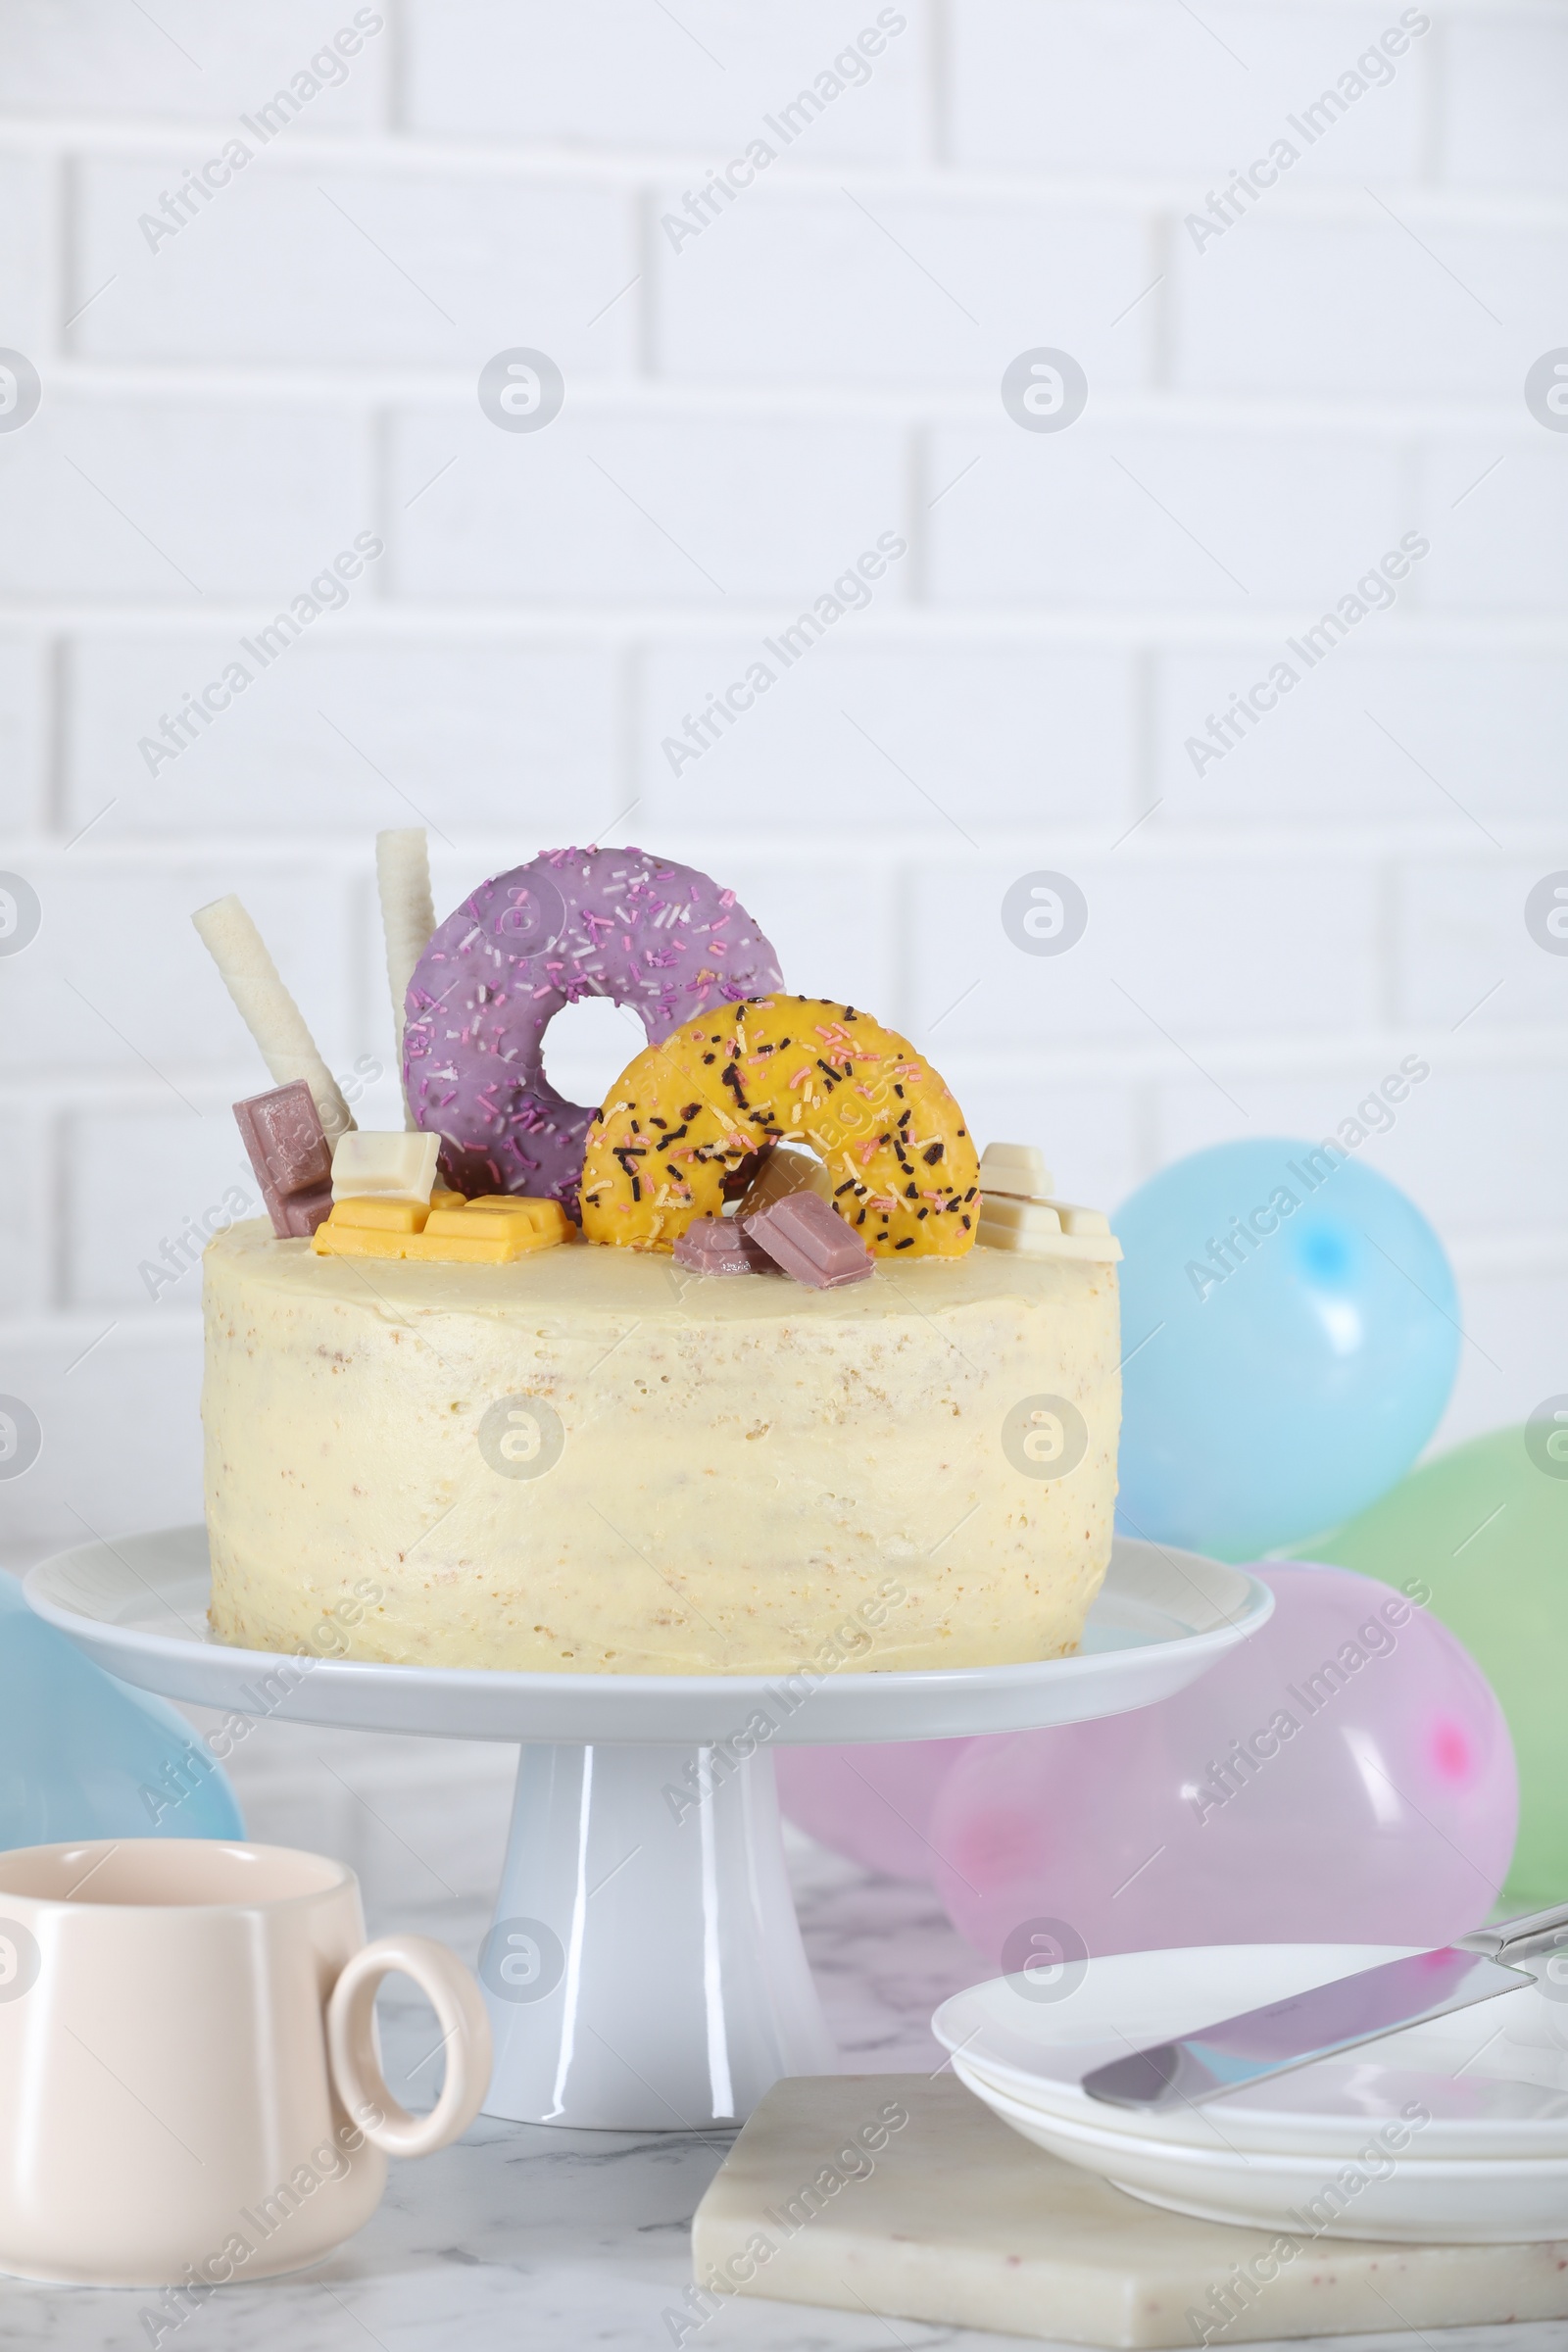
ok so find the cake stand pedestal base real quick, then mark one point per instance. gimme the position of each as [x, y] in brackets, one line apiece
[644, 1970]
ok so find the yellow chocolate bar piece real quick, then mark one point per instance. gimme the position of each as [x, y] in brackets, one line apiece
[355, 1241]
[473, 1237]
[370, 1213]
[365, 1227]
[492, 1231]
[548, 1217]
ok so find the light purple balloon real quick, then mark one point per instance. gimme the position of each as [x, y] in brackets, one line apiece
[1345, 1775]
[872, 1804]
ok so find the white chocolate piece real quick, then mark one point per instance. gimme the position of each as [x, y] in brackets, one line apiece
[1045, 1229]
[1081, 1221]
[1017, 1169]
[1018, 1213]
[408, 917]
[267, 1010]
[1030, 1220]
[785, 1171]
[386, 1167]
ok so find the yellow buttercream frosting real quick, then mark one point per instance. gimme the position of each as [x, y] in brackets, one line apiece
[593, 1461]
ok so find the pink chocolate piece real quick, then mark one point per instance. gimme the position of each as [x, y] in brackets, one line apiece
[717, 1246]
[806, 1236]
[291, 1155]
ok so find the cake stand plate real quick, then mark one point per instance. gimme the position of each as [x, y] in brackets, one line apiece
[644, 1968]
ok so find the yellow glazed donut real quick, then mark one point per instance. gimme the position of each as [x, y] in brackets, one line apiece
[687, 1113]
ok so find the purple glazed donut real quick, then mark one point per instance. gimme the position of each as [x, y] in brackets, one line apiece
[660, 938]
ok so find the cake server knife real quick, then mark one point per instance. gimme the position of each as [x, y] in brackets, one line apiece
[1260, 2044]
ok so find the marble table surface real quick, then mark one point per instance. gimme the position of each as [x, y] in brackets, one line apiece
[520, 2235]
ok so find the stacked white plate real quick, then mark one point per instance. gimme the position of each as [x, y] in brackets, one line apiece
[1454, 2132]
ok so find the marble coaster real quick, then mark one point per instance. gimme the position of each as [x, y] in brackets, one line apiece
[948, 2215]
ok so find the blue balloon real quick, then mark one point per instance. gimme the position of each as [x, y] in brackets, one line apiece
[82, 1755]
[1291, 1334]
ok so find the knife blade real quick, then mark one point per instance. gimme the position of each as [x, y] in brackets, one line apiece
[1260, 2044]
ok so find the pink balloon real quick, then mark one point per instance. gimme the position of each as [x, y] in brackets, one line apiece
[1345, 1775]
[871, 1803]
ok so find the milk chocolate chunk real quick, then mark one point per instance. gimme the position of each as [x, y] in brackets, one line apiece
[782, 1172]
[810, 1239]
[288, 1149]
[717, 1246]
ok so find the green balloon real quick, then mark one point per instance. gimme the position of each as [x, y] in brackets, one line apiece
[1486, 1527]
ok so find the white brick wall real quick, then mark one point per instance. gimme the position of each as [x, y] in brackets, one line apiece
[478, 251]
[1095, 86]
[224, 409]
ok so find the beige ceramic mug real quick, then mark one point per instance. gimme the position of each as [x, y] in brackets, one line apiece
[191, 2090]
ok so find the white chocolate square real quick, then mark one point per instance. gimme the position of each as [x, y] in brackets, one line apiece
[386, 1167]
[1028, 1220]
[1081, 1221]
[1045, 1229]
[1019, 1210]
[1017, 1169]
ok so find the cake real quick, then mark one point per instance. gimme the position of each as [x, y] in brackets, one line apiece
[507, 1411]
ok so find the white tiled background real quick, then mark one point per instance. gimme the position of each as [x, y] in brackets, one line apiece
[743, 416]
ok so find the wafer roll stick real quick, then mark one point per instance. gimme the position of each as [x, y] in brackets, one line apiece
[266, 1008]
[408, 917]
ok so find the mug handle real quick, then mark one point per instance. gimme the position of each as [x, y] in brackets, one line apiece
[465, 2030]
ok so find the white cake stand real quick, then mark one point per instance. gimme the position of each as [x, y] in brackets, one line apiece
[644, 1970]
